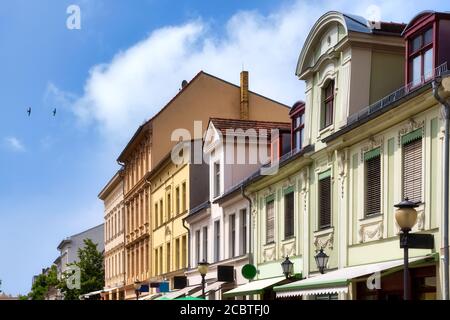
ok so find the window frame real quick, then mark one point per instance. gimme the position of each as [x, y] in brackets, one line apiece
[289, 193]
[327, 175]
[420, 52]
[421, 139]
[270, 200]
[297, 128]
[327, 103]
[366, 181]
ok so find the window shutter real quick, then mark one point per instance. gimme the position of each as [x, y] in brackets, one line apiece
[325, 201]
[373, 182]
[412, 168]
[289, 214]
[270, 223]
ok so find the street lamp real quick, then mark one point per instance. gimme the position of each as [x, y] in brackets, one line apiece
[288, 267]
[406, 217]
[137, 288]
[321, 260]
[203, 270]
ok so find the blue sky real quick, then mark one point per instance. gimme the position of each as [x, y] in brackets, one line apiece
[105, 79]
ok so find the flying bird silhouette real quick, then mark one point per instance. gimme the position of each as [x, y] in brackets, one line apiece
[54, 112]
[29, 111]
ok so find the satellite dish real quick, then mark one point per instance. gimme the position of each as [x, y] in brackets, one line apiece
[184, 83]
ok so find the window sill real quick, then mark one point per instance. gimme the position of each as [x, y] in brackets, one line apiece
[371, 217]
[269, 244]
[324, 231]
[289, 238]
[328, 129]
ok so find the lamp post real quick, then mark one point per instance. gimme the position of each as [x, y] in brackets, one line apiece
[137, 288]
[287, 267]
[203, 270]
[406, 217]
[321, 260]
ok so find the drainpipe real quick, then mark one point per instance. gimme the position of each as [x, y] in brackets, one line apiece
[250, 256]
[189, 243]
[446, 114]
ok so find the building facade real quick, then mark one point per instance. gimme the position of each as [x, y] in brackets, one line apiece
[220, 232]
[112, 196]
[202, 97]
[382, 152]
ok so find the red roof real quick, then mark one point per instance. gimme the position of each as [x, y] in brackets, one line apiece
[233, 124]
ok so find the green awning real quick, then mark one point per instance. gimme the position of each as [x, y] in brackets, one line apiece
[337, 281]
[254, 287]
[325, 174]
[371, 154]
[288, 190]
[414, 135]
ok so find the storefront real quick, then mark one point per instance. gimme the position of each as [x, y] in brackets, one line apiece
[378, 281]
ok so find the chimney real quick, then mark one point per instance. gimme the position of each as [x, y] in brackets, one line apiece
[244, 110]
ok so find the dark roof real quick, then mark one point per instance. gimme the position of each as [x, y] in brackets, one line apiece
[199, 208]
[392, 28]
[224, 124]
[284, 160]
[296, 105]
[230, 192]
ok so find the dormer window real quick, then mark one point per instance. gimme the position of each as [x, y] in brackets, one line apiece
[420, 57]
[328, 105]
[298, 126]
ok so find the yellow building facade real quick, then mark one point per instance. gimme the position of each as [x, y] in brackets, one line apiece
[169, 204]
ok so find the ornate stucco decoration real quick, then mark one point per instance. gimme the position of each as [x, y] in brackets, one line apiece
[254, 211]
[324, 241]
[269, 254]
[288, 248]
[342, 162]
[409, 127]
[420, 219]
[371, 231]
[168, 232]
[289, 182]
[304, 181]
[372, 144]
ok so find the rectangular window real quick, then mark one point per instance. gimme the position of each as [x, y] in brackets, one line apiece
[325, 200]
[177, 200]
[184, 251]
[216, 179]
[298, 126]
[157, 223]
[232, 235]
[420, 57]
[205, 244]
[217, 240]
[169, 206]
[161, 212]
[372, 164]
[161, 259]
[243, 229]
[183, 197]
[169, 254]
[412, 166]
[177, 254]
[288, 214]
[270, 221]
[197, 246]
[328, 106]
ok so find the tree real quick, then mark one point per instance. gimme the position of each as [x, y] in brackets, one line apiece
[44, 282]
[92, 274]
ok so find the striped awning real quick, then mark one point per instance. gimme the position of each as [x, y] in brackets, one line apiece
[254, 287]
[210, 287]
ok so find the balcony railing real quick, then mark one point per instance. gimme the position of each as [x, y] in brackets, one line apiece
[397, 95]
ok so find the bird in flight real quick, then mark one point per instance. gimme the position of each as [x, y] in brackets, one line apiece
[54, 112]
[29, 111]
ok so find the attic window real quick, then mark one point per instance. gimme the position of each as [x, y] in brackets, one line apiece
[327, 105]
[420, 57]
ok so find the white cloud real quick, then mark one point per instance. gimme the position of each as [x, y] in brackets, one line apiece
[14, 144]
[120, 95]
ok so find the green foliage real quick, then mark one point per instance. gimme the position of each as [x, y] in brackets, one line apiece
[90, 263]
[43, 283]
